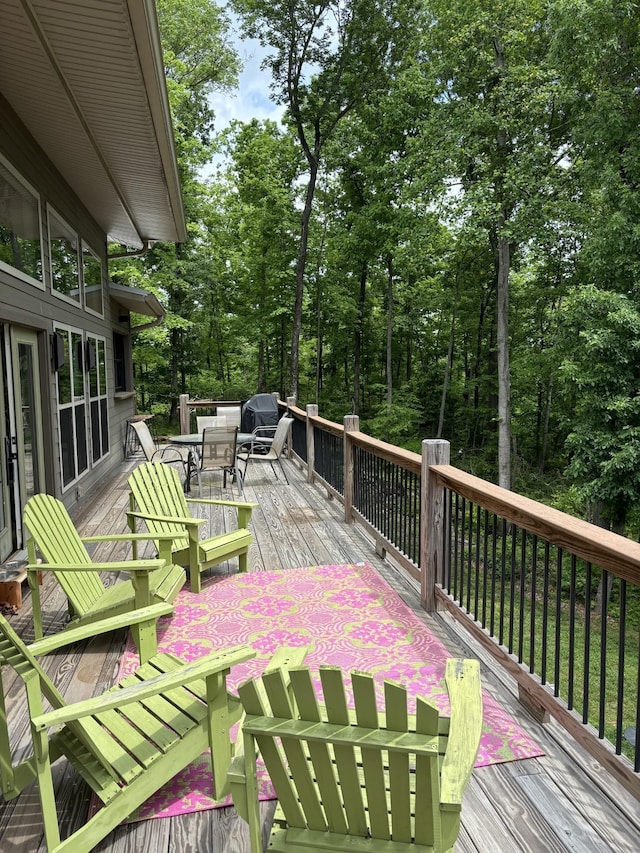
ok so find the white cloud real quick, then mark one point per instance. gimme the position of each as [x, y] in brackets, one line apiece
[252, 99]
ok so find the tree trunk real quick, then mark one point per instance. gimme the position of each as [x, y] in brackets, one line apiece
[357, 354]
[449, 365]
[545, 427]
[389, 330]
[504, 375]
[300, 273]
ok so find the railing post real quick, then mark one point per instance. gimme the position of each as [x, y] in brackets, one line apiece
[185, 425]
[312, 412]
[351, 424]
[434, 452]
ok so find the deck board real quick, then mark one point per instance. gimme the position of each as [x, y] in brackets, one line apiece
[562, 801]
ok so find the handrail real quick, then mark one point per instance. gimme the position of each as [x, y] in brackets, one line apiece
[404, 458]
[617, 554]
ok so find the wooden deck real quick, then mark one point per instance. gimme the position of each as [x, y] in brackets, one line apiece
[562, 801]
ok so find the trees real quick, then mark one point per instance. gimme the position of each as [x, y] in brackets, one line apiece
[599, 340]
[328, 58]
[501, 131]
[197, 60]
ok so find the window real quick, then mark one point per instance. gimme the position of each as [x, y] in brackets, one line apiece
[99, 415]
[122, 362]
[20, 235]
[63, 247]
[82, 403]
[92, 278]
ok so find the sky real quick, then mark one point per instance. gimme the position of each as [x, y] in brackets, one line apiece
[252, 97]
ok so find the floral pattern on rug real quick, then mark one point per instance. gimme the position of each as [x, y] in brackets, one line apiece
[351, 618]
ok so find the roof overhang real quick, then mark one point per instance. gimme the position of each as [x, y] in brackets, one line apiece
[138, 301]
[86, 78]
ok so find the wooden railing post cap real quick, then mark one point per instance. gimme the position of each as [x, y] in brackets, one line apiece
[352, 422]
[312, 409]
[436, 451]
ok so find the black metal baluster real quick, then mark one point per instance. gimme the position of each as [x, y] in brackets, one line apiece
[494, 566]
[503, 573]
[572, 631]
[545, 613]
[469, 556]
[512, 584]
[603, 654]
[534, 604]
[456, 546]
[523, 575]
[485, 565]
[587, 645]
[622, 632]
[556, 663]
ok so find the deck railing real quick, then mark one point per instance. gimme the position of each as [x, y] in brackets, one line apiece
[527, 581]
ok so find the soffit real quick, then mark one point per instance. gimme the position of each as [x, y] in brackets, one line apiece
[86, 78]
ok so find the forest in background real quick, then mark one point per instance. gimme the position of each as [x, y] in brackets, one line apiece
[442, 236]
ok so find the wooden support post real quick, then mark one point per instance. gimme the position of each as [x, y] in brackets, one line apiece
[351, 424]
[434, 452]
[185, 419]
[312, 412]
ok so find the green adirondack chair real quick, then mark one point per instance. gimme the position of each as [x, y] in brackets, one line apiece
[156, 497]
[52, 534]
[358, 780]
[125, 744]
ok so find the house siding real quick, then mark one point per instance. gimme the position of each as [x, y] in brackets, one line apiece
[27, 305]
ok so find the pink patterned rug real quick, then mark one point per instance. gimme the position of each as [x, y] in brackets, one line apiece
[352, 618]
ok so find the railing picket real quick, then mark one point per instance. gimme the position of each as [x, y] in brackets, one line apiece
[545, 612]
[469, 556]
[494, 566]
[523, 577]
[558, 625]
[603, 657]
[572, 632]
[512, 585]
[485, 563]
[477, 571]
[534, 604]
[503, 573]
[622, 638]
[587, 644]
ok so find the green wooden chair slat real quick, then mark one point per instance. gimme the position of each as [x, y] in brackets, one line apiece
[121, 756]
[363, 779]
[399, 776]
[346, 763]
[427, 777]
[156, 497]
[375, 781]
[52, 534]
[319, 752]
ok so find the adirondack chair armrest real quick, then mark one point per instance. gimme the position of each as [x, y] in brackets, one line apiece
[122, 566]
[172, 519]
[243, 508]
[465, 697]
[92, 629]
[212, 664]
[240, 504]
[131, 537]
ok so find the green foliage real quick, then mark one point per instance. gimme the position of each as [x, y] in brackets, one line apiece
[599, 340]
